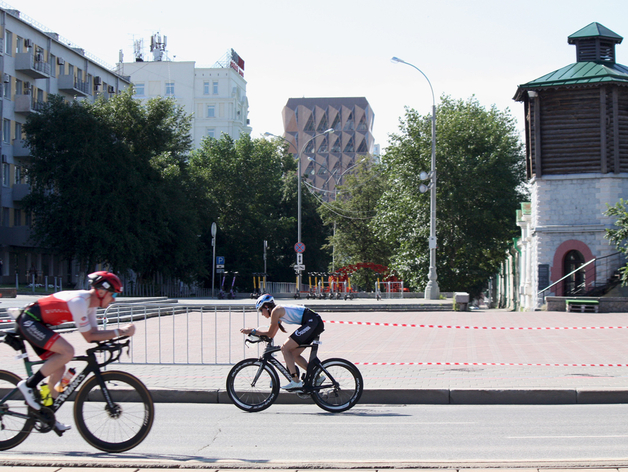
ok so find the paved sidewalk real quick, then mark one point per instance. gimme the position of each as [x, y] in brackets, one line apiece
[421, 356]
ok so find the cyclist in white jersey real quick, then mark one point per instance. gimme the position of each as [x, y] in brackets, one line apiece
[311, 325]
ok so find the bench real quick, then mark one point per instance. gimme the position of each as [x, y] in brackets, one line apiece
[582, 305]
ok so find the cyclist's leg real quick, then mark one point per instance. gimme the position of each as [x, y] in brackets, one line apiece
[54, 367]
[292, 354]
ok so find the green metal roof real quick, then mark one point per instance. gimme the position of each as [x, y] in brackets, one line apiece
[579, 73]
[594, 30]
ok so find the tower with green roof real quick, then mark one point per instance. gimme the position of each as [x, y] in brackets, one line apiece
[576, 136]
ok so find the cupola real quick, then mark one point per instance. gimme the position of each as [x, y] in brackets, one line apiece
[595, 43]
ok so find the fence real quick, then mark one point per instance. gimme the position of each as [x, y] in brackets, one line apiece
[389, 289]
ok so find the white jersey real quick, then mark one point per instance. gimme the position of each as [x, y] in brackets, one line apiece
[293, 314]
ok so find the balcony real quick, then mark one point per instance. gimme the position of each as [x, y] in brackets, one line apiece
[32, 65]
[20, 149]
[15, 236]
[26, 104]
[19, 191]
[70, 84]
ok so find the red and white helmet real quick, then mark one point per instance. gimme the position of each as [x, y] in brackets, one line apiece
[106, 281]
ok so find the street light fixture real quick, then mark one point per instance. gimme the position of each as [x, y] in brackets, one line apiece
[327, 131]
[432, 291]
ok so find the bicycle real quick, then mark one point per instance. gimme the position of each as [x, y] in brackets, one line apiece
[113, 410]
[335, 385]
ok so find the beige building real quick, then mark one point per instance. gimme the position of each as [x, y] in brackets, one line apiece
[215, 96]
[35, 63]
[325, 158]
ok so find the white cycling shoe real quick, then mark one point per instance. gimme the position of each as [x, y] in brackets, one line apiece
[29, 395]
[61, 427]
[293, 385]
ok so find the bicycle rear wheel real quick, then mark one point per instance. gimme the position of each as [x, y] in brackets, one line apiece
[249, 394]
[341, 388]
[118, 429]
[13, 430]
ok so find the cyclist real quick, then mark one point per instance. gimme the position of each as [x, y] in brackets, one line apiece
[80, 306]
[311, 325]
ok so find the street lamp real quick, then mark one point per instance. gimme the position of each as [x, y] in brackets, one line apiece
[432, 292]
[327, 131]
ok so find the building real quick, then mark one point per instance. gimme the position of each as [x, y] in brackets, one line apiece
[215, 97]
[325, 158]
[577, 163]
[35, 63]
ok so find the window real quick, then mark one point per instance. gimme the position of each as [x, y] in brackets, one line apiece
[349, 125]
[6, 174]
[6, 131]
[139, 89]
[210, 132]
[350, 145]
[19, 87]
[5, 216]
[215, 87]
[18, 132]
[7, 89]
[19, 45]
[18, 174]
[169, 88]
[17, 217]
[206, 88]
[8, 40]
[52, 60]
[211, 111]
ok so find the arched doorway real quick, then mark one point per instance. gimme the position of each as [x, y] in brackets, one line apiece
[575, 283]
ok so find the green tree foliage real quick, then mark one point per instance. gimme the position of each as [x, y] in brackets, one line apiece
[619, 234]
[250, 193]
[480, 171]
[350, 214]
[108, 184]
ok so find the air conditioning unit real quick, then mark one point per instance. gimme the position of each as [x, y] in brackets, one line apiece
[6, 78]
[28, 43]
[111, 89]
[60, 61]
[97, 80]
[39, 57]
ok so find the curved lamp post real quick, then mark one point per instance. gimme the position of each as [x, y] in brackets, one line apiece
[432, 292]
[327, 131]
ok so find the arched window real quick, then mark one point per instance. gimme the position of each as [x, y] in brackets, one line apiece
[575, 283]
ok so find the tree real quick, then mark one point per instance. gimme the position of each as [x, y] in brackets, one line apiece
[103, 183]
[480, 171]
[350, 214]
[250, 192]
[619, 234]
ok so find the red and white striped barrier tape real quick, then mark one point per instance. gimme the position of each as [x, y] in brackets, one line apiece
[408, 325]
[485, 364]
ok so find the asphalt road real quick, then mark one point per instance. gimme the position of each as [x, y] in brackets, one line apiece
[299, 436]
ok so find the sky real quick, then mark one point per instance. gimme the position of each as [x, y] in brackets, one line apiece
[342, 48]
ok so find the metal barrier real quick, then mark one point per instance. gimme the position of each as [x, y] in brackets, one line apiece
[390, 289]
[171, 334]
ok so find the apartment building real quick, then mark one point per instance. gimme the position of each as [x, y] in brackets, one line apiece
[214, 96]
[327, 157]
[34, 63]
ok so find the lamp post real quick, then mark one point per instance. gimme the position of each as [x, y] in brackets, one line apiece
[432, 292]
[327, 131]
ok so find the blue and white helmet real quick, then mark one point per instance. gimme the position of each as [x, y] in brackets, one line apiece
[263, 300]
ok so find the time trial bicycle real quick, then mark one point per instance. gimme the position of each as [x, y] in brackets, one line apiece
[335, 385]
[113, 410]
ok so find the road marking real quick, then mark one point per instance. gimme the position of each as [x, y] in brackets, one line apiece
[568, 437]
[392, 423]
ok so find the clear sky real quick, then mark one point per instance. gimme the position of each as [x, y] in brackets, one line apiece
[330, 48]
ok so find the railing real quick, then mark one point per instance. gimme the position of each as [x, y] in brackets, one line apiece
[389, 289]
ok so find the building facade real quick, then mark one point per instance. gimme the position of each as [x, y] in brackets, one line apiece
[325, 158]
[215, 97]
[35, 63]
[577, 164]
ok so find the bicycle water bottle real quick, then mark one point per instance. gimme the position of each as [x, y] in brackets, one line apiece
[65, 380]
[46, 398]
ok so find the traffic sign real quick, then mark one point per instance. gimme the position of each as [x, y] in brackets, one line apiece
[299, 258]
[299, 267]
[220, 261]
[220, 271]
[299, 247]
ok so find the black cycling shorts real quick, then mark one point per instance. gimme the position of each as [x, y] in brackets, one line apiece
[312, 326]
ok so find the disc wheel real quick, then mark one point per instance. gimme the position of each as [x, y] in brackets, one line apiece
[13, 430]
[122, 426]
[248, 393]
[342, 387]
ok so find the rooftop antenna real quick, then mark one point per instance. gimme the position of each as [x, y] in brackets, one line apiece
[138, 46]
[158, 47]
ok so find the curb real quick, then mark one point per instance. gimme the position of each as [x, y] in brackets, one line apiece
[470, 396]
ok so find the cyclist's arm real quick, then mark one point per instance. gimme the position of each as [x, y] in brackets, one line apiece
[275, 316]
[95, 334]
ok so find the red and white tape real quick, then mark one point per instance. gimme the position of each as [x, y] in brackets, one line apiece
[408, 325]
[485, 364]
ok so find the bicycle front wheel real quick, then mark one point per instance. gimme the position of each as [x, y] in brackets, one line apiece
[118, 428]
[13, 429]
[341, 387]
[251, 387]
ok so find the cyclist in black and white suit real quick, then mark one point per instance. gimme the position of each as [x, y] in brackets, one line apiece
[311, 325]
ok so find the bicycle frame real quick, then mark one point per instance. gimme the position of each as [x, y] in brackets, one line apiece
[308, 387]
[93, 366]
